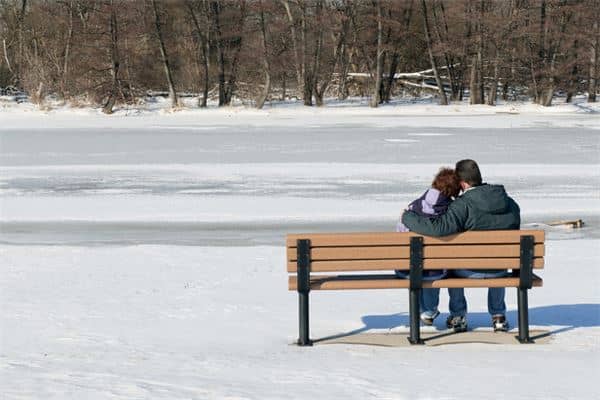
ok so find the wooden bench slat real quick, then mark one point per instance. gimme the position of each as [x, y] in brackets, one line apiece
[431, 263]
[395, 238]
[394, 252]
[391, 282]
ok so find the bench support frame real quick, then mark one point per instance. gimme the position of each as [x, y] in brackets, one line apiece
[416, 284]
[525, 283]
[303, 270]
[527, 244]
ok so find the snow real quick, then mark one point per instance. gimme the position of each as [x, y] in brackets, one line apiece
[408, 112]
[217, 322]
[142, 253]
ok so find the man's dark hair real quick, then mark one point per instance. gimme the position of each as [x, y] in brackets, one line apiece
[468, 171]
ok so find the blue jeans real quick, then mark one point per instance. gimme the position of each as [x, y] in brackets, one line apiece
[430, 298]
[406, 275]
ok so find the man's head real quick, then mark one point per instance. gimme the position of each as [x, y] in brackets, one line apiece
[468, 173]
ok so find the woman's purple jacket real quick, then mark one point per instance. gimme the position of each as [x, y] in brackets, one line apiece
[431, 204]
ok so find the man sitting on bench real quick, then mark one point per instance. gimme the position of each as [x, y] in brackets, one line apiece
[480, 207]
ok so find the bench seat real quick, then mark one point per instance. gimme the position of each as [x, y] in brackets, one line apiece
[349, 282]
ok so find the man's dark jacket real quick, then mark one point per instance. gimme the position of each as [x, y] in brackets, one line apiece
[482, 208]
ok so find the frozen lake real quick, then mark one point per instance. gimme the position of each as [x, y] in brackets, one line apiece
[363, 142]
[250, 183]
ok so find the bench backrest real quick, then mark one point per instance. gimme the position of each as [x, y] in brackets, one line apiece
[381, 251]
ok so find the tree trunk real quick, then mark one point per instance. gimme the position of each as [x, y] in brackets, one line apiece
[387, 91]
[297, 63]
[232, 81]
[442, 93]
[263, 97]
[337, 58]
[480, 75]
[572, 85]
[538, 75]
[216, 12]
[164, 55]
[344, 66]
[493, 92]
[316, 68]
[67, 52]
[454, 86]
[307, 86]
[466, 41]
[6, 59]
[21, 28]
[283, 86]
[473, 84]
[554, 47]
[203, 40]
[115, 61]
[594, 50]
[376, 96]
[206, 55]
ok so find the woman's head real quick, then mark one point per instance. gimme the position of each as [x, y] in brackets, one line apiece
[447, 182]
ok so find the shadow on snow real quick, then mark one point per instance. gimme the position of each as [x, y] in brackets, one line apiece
[565, 316]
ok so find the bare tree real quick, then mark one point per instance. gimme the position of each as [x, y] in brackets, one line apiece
[164, 55]
[76, 50]
[339, 37]
[227, 82]
[298, 64]
[115, 60]
[68, 43]
[21, 39]
[376, 96]
[203, 39]
[442, 32]
[267, 68]
[594, 54]
[442, 93]
[395, 53]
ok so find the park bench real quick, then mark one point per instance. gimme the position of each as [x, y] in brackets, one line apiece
[348, 261]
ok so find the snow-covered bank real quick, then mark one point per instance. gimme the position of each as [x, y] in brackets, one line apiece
[154, 322]
[405, 112]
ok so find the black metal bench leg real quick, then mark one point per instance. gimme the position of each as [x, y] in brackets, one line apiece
[525, 283]
[303, 255]
[415, 326]
[416, 284]
[523, 316]
[304, 339]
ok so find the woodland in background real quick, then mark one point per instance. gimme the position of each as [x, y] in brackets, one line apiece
[108, 52]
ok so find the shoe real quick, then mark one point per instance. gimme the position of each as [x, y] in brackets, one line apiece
[499, 323]
[428, 318]
[457, 323]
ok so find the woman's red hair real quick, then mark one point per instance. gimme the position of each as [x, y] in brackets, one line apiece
[447, 182]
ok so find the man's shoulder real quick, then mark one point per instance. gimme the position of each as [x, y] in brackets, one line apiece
[460, 201]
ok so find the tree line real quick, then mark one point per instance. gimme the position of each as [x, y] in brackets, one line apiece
[114, 51]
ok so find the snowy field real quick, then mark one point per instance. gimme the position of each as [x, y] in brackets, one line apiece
[142, 254]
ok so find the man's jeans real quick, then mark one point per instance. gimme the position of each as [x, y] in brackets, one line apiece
[428, 302]
[430, 298]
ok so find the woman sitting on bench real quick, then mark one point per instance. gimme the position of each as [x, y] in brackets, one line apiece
[433, 203]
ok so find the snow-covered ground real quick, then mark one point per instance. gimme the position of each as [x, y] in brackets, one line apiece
[142, 253]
